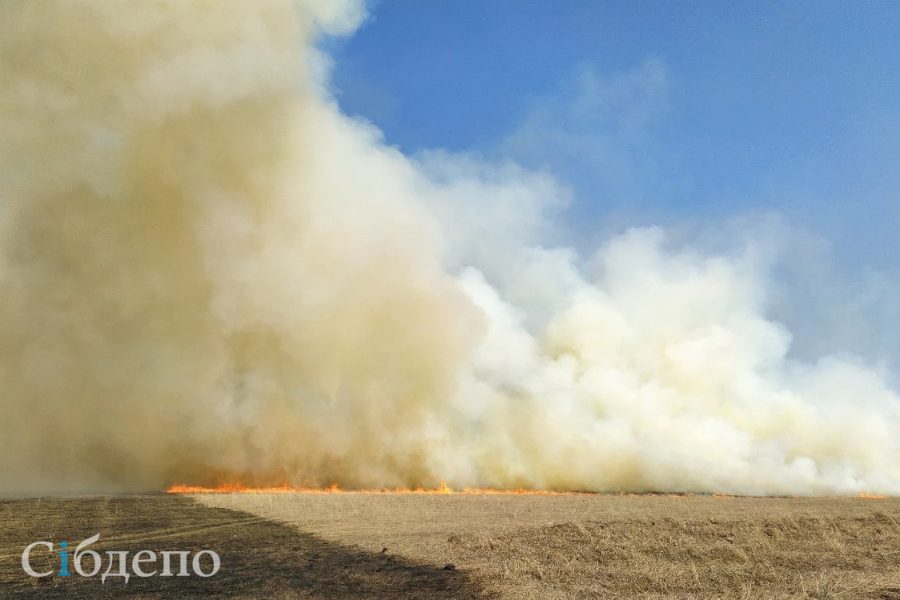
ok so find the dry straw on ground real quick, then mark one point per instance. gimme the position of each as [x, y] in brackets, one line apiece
[367, 546]
[608, 546]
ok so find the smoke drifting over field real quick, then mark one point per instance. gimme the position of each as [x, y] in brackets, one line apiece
[210, 274]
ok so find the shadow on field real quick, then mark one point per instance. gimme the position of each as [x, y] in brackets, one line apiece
[260, 559]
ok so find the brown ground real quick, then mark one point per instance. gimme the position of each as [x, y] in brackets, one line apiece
[396, 546]
[260, 559]
[609, 546]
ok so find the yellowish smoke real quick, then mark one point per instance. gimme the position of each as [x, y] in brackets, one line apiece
[209, 274]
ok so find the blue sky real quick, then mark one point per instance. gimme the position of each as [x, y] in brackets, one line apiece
[654, 112]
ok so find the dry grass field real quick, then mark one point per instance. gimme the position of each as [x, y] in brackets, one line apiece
[499, 546]
[610, 546]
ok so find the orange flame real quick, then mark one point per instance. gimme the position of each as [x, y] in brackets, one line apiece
[870, 496]
[441, 489]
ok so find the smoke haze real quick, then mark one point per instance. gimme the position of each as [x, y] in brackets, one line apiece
[210, 274]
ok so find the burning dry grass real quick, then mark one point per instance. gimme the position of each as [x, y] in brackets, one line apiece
[441, 489]
[605, 546]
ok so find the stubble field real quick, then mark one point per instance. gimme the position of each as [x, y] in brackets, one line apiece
[356, 545]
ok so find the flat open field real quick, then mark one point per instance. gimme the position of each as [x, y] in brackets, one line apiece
[499, 546]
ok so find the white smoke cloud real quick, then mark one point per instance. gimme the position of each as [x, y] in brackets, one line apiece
[209, 273]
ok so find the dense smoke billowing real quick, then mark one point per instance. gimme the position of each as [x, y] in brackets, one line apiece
[210, 274]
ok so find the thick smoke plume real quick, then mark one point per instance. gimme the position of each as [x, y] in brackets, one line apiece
[210, 274]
